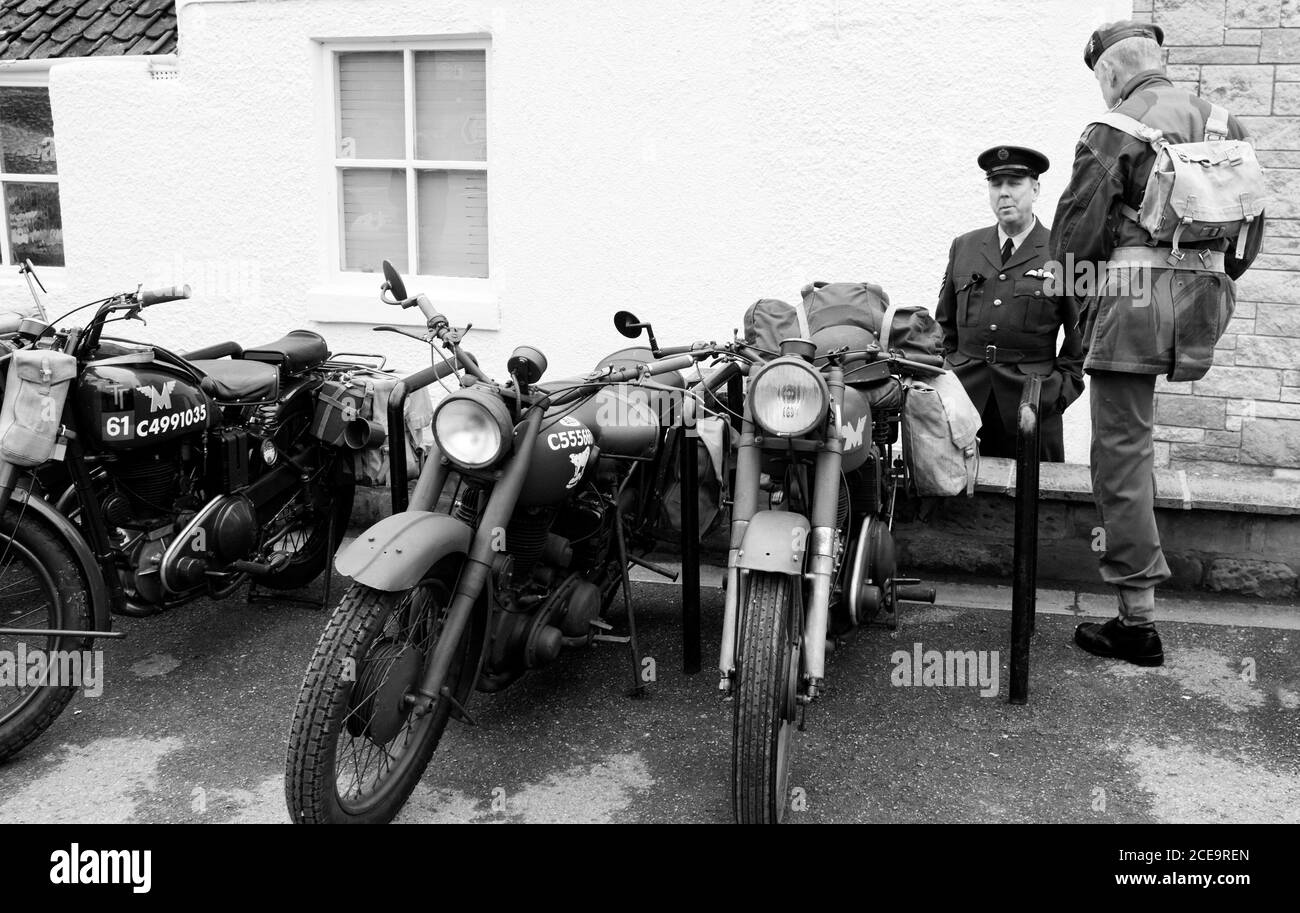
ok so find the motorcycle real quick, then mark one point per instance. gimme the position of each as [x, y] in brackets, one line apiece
[556, 489]
[134, 479]
[811, 553]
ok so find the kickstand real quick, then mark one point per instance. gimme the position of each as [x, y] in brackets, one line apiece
[634, 651]
[319, 604]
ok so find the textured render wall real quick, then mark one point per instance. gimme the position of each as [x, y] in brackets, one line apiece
[678, 159]
[1244, 417]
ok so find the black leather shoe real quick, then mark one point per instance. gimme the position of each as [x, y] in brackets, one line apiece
[1140, 646]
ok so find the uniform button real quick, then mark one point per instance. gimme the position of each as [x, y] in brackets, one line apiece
[1003, 277]
[993, 326]
[997, 301]
[1038, 294]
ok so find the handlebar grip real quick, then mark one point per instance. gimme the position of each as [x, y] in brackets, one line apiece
[163, 295]
[674, 350]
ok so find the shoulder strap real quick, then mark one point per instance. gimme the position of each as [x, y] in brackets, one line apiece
[1216, 125]
[887, 325]
[802, 313]
[1133, 127]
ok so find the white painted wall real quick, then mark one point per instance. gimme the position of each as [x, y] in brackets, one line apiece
[676, 158]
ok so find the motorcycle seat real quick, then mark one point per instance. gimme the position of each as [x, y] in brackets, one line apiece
[235, 381]
[294, 353]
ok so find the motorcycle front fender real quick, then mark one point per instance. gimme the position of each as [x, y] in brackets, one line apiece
[100, 599]
[775, 540]
[395, 553]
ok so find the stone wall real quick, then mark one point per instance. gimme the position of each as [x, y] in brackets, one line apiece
[1244, 416]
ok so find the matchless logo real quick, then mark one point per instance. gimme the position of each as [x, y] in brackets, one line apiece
[853, 433]
[158, 399]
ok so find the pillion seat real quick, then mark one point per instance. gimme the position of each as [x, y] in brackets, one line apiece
[294, 353]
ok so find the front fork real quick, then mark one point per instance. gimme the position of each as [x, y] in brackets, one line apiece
[821, 547]
[495, 516]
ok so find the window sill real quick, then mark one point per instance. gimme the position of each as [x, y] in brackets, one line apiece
[355, 299]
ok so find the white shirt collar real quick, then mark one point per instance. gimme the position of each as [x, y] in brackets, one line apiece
[1016, 240]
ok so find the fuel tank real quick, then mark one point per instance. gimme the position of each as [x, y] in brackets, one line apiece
[563, 453]
[855, 426]
[126, 407]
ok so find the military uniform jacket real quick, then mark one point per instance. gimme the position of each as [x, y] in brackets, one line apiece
[1000, 323]
[1170, 324]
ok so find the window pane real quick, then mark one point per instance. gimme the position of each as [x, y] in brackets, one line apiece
[26, 130]
[453, 223]
[35, 223]
[451, 105]
[374, 218]
[372, 109]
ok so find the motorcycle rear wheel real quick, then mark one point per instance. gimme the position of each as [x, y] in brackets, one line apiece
[40, 587]
[372, 653]
[328, 497]
[763, 725]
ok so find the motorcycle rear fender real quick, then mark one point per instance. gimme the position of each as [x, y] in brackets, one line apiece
[776, 541]
[395, 553]
[100, 600]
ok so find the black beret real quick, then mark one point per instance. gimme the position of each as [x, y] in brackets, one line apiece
[1107, 35]
[1012, 160]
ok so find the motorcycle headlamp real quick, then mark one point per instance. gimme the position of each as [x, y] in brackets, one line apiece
[788, 397]
[472, 428]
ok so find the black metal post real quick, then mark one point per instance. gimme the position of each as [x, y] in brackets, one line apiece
[1025, 573]
[690, 547]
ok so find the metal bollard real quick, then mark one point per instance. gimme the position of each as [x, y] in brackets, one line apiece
[1025, 573]
[690, 546]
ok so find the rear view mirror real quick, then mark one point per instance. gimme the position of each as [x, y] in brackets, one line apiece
[393, 282]
[627, 324]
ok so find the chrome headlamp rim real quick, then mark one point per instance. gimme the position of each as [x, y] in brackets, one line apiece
[495, 410]
[819, 415]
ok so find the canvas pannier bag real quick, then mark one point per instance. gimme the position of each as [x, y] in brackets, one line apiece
[35, 390]
[1199, 191]
[372, 464]
[768, 321]
[338, 402]
[940, 436]
[912, 331]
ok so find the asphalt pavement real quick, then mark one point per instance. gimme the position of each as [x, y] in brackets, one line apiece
[196, 704]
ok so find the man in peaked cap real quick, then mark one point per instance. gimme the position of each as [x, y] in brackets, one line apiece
[1167, 324]
[999, 317]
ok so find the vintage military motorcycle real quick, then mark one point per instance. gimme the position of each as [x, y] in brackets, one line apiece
[811, 553]
[555, 488]
[134, 479]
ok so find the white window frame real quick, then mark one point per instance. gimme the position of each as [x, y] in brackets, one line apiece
[352, 297]
[30, 74]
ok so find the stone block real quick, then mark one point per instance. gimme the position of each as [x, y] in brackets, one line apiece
[1240, 89]
[1274, 132]
[1190, 411]
[1240, 383]
[1271, 442]
[1266, 351]
[1176, 435]
[1280, 46]
[1286, 100]
[1278, 320]
[1257, 14]
[1233, 53]
[1260, 285]
[1194, 453]
[1269, 579]
[1190, 21]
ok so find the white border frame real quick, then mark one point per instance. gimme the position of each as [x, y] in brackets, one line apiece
[347, 297]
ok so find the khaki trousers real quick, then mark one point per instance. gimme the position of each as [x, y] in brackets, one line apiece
[1123, 486]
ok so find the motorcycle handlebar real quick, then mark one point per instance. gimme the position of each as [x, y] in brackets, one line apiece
[163, 295]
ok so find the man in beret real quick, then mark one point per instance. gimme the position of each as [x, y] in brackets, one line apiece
[999, 317]
[1133, 331]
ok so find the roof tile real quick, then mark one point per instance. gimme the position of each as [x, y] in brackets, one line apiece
[83, 28]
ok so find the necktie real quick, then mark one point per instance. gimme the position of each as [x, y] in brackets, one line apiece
[1006, 251]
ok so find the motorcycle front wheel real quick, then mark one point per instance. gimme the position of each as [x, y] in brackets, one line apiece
[356, 751]
[40, 588]
[767, 668]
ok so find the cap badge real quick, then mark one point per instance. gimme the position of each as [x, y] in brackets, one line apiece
[1003, 155]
